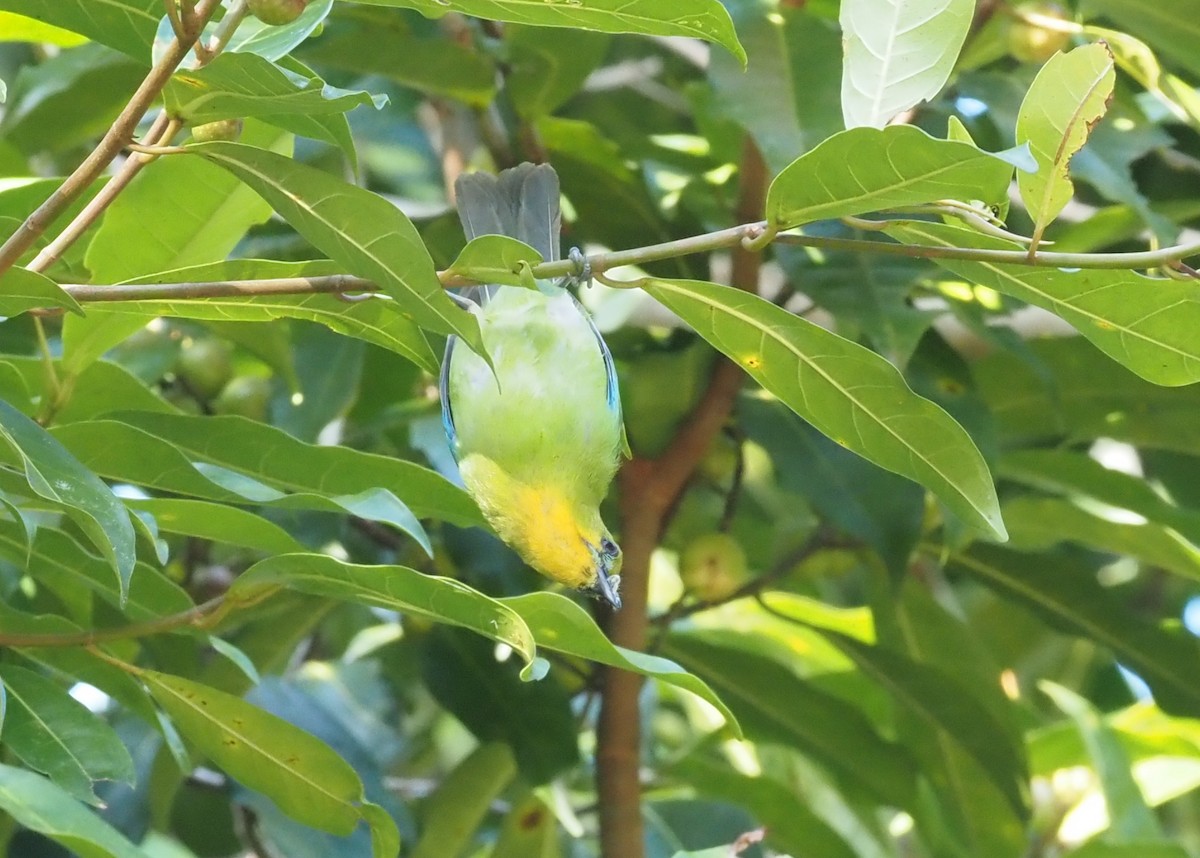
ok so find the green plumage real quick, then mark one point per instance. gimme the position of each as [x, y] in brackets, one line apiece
[539, 439]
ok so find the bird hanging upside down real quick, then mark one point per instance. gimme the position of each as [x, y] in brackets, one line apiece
[539, 440]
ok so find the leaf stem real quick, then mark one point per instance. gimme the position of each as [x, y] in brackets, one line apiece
[204, 615]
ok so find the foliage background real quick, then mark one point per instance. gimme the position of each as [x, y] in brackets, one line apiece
[856, 664]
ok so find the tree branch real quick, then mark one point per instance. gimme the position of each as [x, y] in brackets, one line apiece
[120, 133]
[601, 262]
[648, 491]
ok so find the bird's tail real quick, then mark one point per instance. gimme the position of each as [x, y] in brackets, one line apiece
[522, 203]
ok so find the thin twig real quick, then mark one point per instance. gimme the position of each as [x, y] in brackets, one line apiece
[111, 144]
[601, 262]
[162, 129]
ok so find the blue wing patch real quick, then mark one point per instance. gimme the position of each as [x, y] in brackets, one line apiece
[444, 395]
[612, 393]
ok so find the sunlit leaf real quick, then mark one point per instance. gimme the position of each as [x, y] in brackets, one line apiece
[361, 230]
[846, 391]
[53, 473]
[702, 19]
[1144, 323]
[898, 53]
[127, 25]
[301, 774]
[867, 169]
[51, 732]
[1069, 96]
[443, 600]
[39, 805]
[559, 624]
[1066, 593]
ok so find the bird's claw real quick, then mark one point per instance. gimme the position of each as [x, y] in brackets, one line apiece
[583, 266]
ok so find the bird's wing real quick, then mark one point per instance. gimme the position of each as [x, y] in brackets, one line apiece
[444, 395]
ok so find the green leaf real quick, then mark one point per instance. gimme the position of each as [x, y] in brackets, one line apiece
[18, 28]
[236, 85]
[247, 447]
[940, 702]
[701, 19]
[787, 95]
[22, 289]
[1130, 818]
[867, 169]
[462, 800]
[1039, 522]
[1069, 96]
[39, 805]
[102, 387]
[534, 719]
[443, 600]
[494, 259]
[1144, 323]
[201, 213]
[1172, 30]
[361, 230]
[1077, 394]
[530, 830]
[1077, 474]
[53, 473]
[898, 54]
[774, 705]
[276, 41]
[127, 25]
[844, 390]
[257, 449]
[978, 815]
[155, 463]
[375, 321]
[61, 564]
[51, 732]
[883, 510]
[219, 523]
[546, 67]
[1156, 849]
[1067, 594]
[385, 47]
[559, 624]
[791, 826]
[301, 774]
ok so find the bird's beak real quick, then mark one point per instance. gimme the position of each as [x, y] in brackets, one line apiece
[607, 587]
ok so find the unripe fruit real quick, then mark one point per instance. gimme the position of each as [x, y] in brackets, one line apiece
[247, 396]
[713, 566]
[205, 367]
[1030, 43]
[276, 12]
[222, 129]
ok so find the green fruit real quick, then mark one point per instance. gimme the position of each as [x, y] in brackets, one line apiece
[222, 129]
[1030, 43]
[276, 12]
[721, 461]
[205, 366]
[247, 395]
[713, 566]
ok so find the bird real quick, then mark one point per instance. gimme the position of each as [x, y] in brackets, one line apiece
[538, 435]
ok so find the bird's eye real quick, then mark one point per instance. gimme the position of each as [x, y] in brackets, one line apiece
[609, 548]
